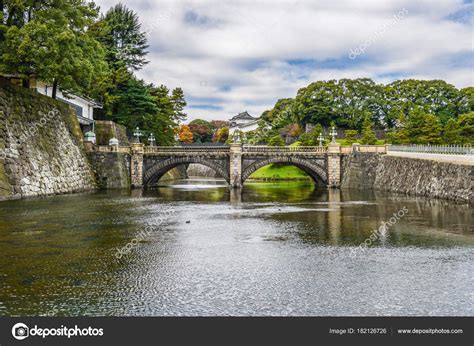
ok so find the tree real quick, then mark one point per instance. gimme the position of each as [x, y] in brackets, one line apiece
[164, 121]
[423, 128]
[347, 102]
[316, 103]
[368, 135]
[399, 134]
[350, 136]
[185, 134]
[291, 130]
[51, 42]
[221, 135]
[311, 138]
[433, 96]
[451, 132]
[276, 141]
[217, 124]
[120, 33]
[202, 130]
[135, 106]
[466, 102]
[466, 126]
[431, 130]
[178, 101]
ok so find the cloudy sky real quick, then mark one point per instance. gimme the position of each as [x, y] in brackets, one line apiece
[231, 56]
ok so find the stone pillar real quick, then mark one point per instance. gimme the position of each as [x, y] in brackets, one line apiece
[136, 165]
[334, 165]
[235, 167]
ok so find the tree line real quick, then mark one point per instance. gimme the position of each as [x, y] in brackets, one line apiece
[69, 45]
[408, 111]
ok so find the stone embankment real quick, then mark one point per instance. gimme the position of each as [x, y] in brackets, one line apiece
[406, 175]
[41, 149]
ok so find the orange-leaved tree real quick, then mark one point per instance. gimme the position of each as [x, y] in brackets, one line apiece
[185, 134]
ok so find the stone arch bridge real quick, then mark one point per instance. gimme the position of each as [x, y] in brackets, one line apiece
[235, 163]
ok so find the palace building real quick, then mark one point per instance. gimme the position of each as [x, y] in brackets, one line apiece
[243, 122]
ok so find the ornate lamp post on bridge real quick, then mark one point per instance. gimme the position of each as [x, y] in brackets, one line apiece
[320, 139]
[237, 138]
[137, 135]
[333, 134]
[152, 140]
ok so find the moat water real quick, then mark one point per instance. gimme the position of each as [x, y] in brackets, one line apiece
[195, 248]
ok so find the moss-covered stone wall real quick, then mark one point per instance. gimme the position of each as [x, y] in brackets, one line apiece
[105, 130]
[41, 149]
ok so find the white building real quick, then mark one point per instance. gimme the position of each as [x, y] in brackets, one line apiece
[243, 122]
[82, 106]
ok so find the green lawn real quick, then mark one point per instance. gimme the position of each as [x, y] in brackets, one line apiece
[279, 172]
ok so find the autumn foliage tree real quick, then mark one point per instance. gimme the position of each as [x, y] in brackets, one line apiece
[185, 135]
[221, 135]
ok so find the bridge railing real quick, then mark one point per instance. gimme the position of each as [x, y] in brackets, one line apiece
[282, 149]
[434, 149]
[370, 148]
[107, 148]
[187, 149]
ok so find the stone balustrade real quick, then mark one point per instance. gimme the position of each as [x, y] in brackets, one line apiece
[254, 149]
[186, 149]
[283, 149]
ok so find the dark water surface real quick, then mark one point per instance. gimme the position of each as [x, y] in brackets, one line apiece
[195, 248]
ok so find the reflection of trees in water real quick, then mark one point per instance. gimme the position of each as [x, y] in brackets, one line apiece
[182, 190]
[284, 192]
[349, 217]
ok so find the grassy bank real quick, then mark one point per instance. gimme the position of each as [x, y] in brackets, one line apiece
[279, 172]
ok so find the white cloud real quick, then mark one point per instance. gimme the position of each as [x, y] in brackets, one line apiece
[234, 55]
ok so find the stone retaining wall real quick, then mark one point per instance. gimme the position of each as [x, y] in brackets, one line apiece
[41, 150]
[112, 169]
[408, 176]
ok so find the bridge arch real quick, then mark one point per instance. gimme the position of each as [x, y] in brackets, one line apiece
[156, 171]
[316, 171]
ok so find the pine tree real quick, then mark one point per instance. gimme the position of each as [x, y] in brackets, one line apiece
[451, 132]
[276, 141]
[466, 126]
[120, 33]
[423, 128]
[401, 133]
[431, 130]
[178, 101]
[368, 135]
[350, 136]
